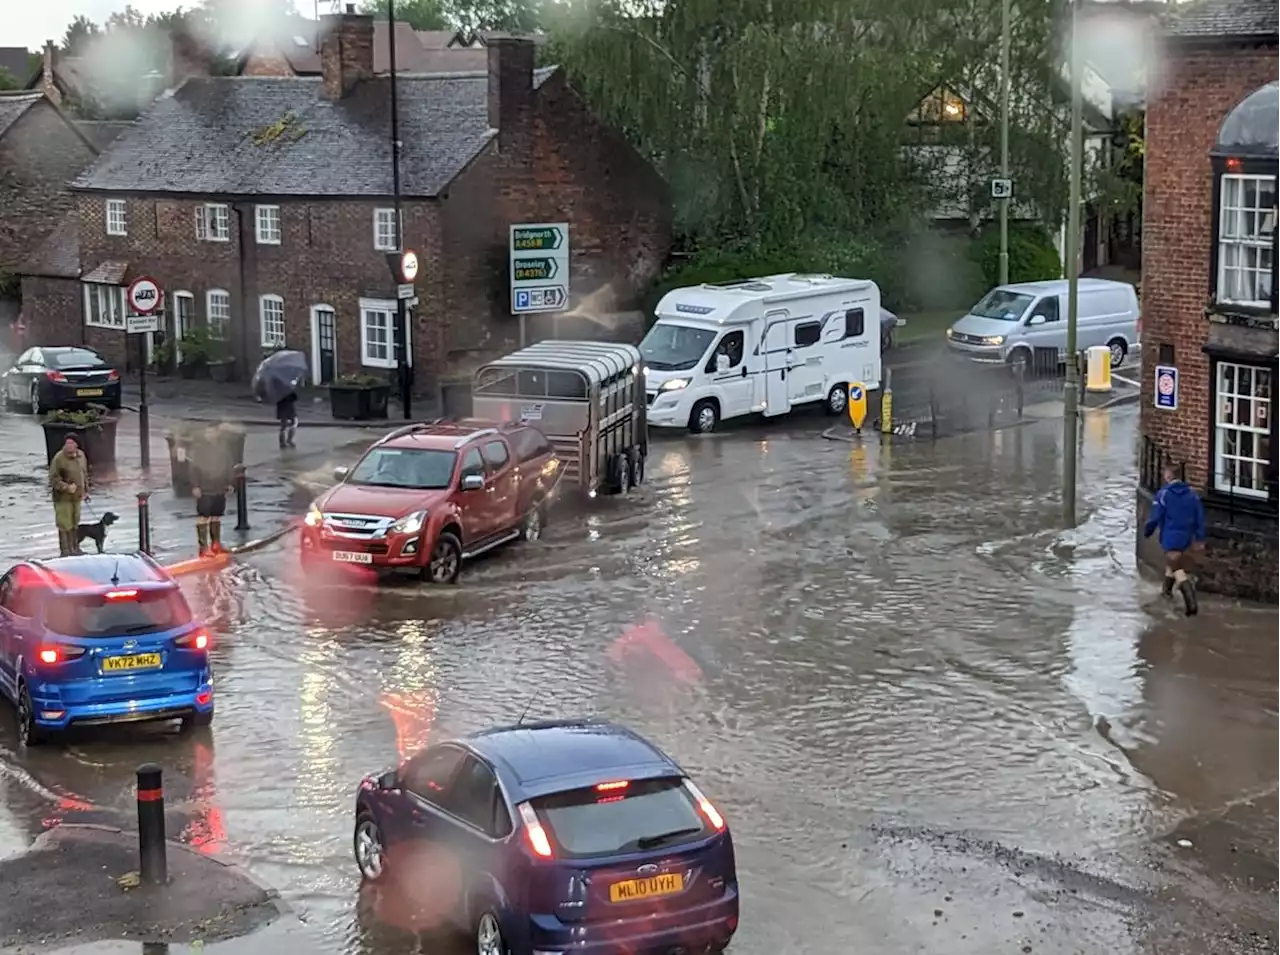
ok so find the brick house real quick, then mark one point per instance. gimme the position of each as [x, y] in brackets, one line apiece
[263, 206]
[1209, 284]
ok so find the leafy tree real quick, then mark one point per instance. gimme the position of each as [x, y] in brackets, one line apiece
[7, 80]
[510, 16]
[420, 14]
[80, 33]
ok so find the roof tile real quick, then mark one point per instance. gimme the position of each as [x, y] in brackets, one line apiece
[59, 255]
[1227, 18]
[13, 106]
[110, 272]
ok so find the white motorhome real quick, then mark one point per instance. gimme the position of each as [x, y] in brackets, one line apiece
[760, 346]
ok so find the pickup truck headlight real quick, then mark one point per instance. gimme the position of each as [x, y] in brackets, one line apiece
[314, 517]
[675, 384]
[410, 523]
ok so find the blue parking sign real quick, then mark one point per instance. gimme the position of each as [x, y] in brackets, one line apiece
[1166, 387]
[522, 298]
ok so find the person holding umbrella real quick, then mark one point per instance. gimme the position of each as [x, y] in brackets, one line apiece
[276, 382]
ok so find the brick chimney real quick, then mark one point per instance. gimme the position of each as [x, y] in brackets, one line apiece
[188, 57]
[346, 53]
[510, 89]
[47, 85]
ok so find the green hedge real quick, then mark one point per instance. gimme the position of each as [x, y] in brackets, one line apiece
[1032, 256]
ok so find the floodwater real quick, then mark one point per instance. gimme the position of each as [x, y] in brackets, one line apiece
[935, 721]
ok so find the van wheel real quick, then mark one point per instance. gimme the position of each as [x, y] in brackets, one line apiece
[1019, 361]
[1119, 350]
[445, 562]
[705, 417]
[837, 400]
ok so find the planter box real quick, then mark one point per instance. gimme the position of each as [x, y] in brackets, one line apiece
[359, 402]
[193, 369]
[180, 457]
[220, 371]
[97, 441]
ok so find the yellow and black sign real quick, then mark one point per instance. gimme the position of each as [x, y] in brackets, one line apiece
[857, 404]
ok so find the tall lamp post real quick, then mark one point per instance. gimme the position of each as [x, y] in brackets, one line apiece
[1004, 139]
[403, 368]
[1071, 388]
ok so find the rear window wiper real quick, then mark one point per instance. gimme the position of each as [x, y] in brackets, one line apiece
[650, 842]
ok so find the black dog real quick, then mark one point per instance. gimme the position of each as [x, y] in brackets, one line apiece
[96, 532]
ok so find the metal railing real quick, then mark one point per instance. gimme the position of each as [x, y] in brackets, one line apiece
[1225, 497]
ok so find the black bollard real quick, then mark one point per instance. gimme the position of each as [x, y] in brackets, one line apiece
[1018, 390]
[153, 865]
[242, 502]
[144, 521]
[933, 410]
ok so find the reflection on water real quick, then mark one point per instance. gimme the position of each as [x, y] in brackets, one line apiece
[827, 634]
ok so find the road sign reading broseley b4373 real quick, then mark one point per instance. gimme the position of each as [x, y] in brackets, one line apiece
[539, 267]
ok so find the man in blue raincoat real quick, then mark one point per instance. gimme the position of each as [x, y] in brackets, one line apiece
[1179, 514]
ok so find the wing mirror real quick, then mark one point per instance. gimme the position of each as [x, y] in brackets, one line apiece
[473, 482]
[1036, 320]
[722, 363]
[340, 474]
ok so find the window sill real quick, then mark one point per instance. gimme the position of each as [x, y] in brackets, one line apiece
[119, 235]
[383, 363]
[262, 241]
[214, 240]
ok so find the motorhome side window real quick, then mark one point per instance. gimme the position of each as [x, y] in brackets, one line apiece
[732, 346]
[807, 333]
[855, 323]
[1048, 307]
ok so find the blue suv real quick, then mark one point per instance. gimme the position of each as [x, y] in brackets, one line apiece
[100, 638]
[560, 838]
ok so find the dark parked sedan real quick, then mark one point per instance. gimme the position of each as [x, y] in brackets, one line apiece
[64, 376]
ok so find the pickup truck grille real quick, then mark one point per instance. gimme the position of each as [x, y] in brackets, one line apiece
[356, 526]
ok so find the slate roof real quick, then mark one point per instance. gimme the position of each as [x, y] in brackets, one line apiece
[59, 255]
[103, 133]
[269, 136]
[1226, 19]
[13, 106]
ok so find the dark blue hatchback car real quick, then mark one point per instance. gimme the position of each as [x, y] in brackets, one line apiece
[554, 838]
[100, 638]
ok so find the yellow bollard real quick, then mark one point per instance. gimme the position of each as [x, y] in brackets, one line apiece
[886, 411]
[1098, 374]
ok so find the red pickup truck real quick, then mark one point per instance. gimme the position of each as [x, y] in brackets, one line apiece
[426, 497]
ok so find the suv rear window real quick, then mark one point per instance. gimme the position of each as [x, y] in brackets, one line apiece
[602, 821]
[109, 615]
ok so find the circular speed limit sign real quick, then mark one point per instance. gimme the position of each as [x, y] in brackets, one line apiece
[144, 295]
[409, 266]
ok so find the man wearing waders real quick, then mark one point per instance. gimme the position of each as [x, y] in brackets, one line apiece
[211, 482]
[69, 481]
[1179, 515]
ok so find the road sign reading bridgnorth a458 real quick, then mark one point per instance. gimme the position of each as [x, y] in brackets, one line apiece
[539, 267]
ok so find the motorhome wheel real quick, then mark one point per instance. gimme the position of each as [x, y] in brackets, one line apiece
[837, 399]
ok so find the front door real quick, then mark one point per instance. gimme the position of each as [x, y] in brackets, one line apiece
[324, 347]
[184, 320]
[776, 348]
[476, 506]
[426, 780]
[734, 383]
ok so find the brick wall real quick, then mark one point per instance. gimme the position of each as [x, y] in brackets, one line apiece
[39, 155]
[1198, 90]
[51, 311]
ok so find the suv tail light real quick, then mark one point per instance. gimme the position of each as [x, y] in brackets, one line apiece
[534, 834]
[709, 812]
[55, 376]
[59, 654]
[195, 640]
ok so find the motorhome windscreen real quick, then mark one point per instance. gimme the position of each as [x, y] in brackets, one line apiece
[531, 383]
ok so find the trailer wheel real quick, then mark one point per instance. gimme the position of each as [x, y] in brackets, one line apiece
[622, 481]
[637, 467]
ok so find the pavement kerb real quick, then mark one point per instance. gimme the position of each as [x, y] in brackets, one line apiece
[1129, 398]
[272, 894]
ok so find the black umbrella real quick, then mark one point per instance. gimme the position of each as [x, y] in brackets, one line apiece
[279, 376]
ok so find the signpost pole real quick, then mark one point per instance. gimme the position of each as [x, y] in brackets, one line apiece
[143, 297]
[402, 359]
[144, 414]
[1071, 388]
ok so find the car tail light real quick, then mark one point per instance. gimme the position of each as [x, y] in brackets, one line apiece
[113, 375]
[53, 655]
[534, 833]
[55, 376]
[710, 812]
[120, 595]
[195, 640]
[204, 698]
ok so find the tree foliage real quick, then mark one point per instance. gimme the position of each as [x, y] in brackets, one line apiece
[8, 81]
[420, 14]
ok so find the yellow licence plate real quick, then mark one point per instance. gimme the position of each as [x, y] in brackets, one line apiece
[88, 392]
[140, 661]
[651, 888]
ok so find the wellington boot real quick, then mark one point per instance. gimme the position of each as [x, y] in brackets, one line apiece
[1166, 589]
[202, 538]
[66, 545]
[215, 537]
[1188, 591]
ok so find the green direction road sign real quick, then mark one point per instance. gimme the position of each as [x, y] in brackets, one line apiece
[534, 270]
[536, 240]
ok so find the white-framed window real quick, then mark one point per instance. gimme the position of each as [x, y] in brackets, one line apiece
[386, 237]
[377, 333]
[267, 224]
[1242, 429]
[1246, 225]
[271, 317]
[104, 305]
[117, 216]
[213, 222]
[217, 312]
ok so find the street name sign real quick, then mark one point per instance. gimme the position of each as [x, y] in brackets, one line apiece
[539, 255]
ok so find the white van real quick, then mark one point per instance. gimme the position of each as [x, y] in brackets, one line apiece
[760, 346]
[1011, 320]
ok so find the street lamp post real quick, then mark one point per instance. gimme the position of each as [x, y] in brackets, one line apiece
[403, 366]
[1071, 388]
[1004, 139]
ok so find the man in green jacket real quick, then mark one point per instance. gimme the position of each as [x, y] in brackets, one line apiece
[69, 481]
[212, 474]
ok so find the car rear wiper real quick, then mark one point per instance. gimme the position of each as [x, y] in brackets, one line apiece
[650, 842]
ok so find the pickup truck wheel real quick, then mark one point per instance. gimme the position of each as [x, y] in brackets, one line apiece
[534, 522]
[445, 562]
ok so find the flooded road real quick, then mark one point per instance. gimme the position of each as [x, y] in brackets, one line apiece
[934, 720]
